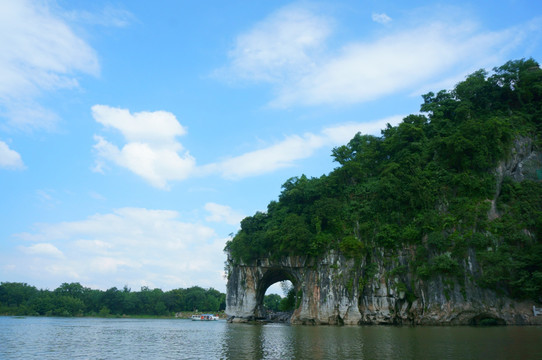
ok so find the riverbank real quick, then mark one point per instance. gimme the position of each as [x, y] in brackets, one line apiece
[177, 315]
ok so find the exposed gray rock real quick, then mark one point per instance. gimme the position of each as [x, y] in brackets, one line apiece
[331, 294]
[523, 162]
[279, 317]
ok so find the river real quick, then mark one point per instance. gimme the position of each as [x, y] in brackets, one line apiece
[94, 338]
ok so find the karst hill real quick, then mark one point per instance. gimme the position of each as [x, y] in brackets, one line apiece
[436, 221]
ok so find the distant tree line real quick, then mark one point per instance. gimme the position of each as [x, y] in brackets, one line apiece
[73, 299]
[274, 302]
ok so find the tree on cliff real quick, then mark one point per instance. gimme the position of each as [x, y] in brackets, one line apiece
[428, 183]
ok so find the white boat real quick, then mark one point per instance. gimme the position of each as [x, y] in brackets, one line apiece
[204, 317]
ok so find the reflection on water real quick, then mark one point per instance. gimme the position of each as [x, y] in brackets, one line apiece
[73, 338]
[380, 342]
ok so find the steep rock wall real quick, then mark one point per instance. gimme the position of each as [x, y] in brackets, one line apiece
[335, 291]
[327, 292]
[406, 299]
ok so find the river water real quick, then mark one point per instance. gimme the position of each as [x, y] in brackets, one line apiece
[92, 338]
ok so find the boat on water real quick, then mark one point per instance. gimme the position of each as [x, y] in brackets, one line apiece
[204, 317]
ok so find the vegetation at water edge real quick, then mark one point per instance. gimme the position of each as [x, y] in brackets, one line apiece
[72, 299]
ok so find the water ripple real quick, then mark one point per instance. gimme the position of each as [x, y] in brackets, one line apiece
[87, 338]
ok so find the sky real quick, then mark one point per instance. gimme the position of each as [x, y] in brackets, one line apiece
[136, 135]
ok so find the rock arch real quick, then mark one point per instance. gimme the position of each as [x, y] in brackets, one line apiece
[329, 289]
[338, 291]
[271, 276]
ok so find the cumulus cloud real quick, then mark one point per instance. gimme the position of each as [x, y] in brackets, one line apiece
[151, 149]
[9, 159]
[40, 52]
[133, 246]
[148, 127]
[359, 71]
[222, 213]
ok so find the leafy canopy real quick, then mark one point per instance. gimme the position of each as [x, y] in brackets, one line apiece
[427, 182]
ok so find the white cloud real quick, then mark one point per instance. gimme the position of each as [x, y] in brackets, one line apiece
[342, 134]
[24, 113]
[152, 152]
[222, 213]
[366, 71]
[398, 60]
[10, 159]
[133, 246]
[40, 53]
[151, 149]
[145, 127]
[380, 18]
[282, 45]
[110, 265]
[293, 148]
[43, 249]
[95, 246]
[265, 160]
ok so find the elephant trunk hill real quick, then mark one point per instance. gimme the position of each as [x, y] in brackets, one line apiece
[436, 221]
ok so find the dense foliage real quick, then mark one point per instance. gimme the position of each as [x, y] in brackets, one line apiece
[274, 302]
[428, 184]
[72, 299]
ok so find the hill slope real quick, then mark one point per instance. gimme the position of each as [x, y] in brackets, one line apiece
[453, 194]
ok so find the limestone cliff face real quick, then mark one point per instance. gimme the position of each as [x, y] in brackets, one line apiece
[383, 288]
[406, 299]
[327, 293]
[335, 291]
[523, 162]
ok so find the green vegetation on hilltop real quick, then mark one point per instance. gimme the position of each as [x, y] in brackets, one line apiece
[429, 184]
[72, 299]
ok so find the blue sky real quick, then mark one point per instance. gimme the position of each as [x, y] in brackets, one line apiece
[135, 135]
